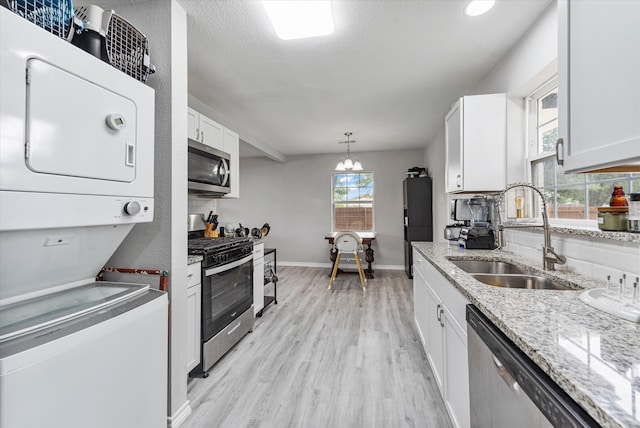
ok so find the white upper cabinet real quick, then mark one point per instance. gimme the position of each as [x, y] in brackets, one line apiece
[599, 84]
[476, 143]
[204, 130]
[211, 133]
[231, 145]
[193, 122]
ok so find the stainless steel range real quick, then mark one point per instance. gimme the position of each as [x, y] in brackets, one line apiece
[227, 295]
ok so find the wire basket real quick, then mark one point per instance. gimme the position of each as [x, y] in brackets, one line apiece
[55, 16]
[122, 45]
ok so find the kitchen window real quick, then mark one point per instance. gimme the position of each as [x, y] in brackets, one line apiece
[569, 196]
[352, 201]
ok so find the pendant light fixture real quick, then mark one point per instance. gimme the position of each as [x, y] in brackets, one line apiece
[348, 163]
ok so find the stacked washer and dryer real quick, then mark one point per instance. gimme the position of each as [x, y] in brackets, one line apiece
[76, 175]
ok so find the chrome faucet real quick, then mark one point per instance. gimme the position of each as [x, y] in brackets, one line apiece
[549, 257]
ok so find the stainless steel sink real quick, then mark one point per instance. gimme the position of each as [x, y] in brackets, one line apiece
[486, 266]
[532, 282]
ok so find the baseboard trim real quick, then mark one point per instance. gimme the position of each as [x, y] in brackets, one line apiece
[329, 265]
[180, 416]
[388, 267]
[305, 264]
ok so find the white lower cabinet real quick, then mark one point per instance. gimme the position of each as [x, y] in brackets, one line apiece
[194, 299]
[439, 311]
[432, 311]
[420, 296]
[258, 278]
[456, 376]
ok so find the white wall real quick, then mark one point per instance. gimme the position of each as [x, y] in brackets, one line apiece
[162, 244]
[595, 257]
[295, 199]
[434, 156]
[198, 205]
[262, 146]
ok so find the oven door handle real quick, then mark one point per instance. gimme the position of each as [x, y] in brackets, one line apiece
[229, 266]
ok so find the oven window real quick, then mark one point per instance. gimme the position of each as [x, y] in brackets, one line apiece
[225, 296]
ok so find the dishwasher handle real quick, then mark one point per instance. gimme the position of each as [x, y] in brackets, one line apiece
[505, 375]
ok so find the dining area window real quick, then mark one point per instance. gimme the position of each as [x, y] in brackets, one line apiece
[352, 201]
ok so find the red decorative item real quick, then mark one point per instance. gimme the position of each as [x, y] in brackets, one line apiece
[617, 198]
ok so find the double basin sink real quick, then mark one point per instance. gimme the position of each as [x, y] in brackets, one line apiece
[506, 275]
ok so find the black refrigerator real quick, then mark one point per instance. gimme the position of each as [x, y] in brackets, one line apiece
[418, 215]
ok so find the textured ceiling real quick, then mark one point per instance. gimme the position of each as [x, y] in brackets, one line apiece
[388, 73]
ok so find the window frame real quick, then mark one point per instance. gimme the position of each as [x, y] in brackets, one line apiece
[333, 201]
[535, 157]
[532, 122]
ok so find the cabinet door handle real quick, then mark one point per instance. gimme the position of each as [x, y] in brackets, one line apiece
[441, 318]
[198, 134]
[202, 140]
[560, 151]
[190, 276]
[438, 313]
[458, 177]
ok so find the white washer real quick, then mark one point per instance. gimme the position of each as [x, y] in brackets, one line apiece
[93, 356]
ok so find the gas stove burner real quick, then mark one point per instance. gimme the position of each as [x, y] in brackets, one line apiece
[209, 245]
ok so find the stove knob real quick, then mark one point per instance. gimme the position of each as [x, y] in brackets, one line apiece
[132, 208]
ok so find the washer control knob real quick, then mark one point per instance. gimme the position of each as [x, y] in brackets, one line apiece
[132, 208]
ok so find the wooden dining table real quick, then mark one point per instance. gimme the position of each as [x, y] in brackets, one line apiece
[367, 239]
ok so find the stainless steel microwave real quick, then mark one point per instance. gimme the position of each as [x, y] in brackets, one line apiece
[209, 169]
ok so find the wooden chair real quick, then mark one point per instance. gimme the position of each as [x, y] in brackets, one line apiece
[348, 242]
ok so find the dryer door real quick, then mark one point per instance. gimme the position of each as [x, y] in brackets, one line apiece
[92, 137]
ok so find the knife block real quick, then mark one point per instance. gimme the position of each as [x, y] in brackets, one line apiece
[210, 230]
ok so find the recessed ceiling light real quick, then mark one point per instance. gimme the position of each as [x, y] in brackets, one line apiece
[478, 7]
[300, 19]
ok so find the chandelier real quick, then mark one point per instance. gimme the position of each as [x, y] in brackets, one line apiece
[348, 163]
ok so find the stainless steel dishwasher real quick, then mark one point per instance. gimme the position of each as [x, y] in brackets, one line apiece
[507, 389]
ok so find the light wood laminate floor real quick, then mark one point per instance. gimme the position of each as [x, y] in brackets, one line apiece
[320, 358]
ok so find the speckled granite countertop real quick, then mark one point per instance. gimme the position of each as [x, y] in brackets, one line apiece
[580, 231]
[194, 259]
[593, 356]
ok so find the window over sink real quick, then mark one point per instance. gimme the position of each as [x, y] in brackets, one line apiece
[569, 196]
[352, 201]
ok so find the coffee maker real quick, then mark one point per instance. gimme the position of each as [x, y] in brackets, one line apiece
[472, 227]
